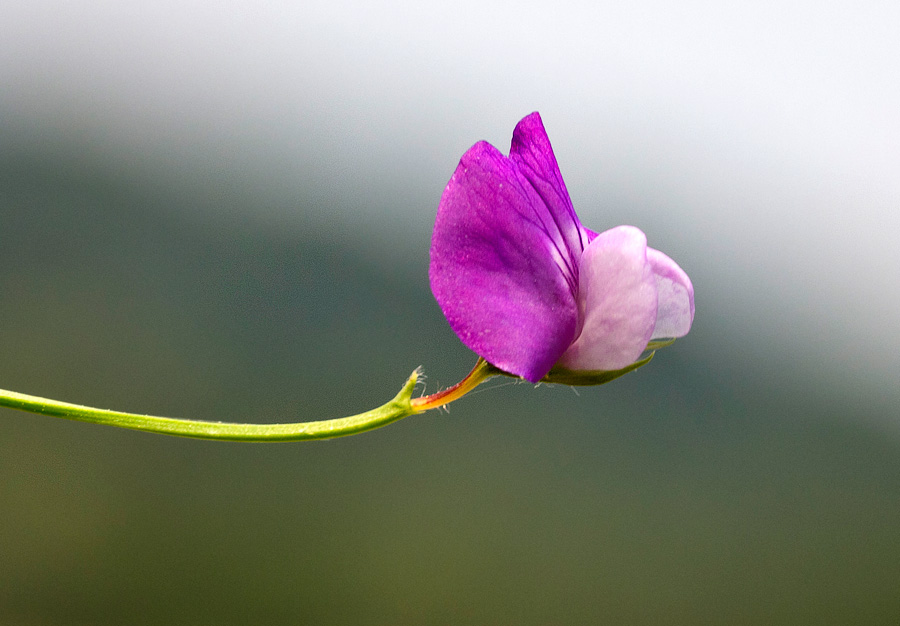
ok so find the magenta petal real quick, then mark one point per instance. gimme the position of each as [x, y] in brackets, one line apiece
[617, 299]
[675, 312]
[497, 270]
[533, 156]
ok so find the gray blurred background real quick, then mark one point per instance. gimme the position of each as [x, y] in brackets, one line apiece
[223, 211]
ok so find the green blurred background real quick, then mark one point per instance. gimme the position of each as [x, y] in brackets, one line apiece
[223, 212]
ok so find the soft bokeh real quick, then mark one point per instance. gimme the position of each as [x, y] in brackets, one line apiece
[223, 211]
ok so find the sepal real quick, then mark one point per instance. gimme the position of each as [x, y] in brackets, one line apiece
[583, 378]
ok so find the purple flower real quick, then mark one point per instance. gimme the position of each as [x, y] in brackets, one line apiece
[527, 287]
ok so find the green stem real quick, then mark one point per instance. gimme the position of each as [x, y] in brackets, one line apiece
[396, 409]
[403, 405]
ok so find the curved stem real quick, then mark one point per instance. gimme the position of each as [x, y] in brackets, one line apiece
[396, 409]
[480, 373]
[403, 405]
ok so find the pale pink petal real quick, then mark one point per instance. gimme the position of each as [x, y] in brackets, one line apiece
[617, 300]
[675, 311]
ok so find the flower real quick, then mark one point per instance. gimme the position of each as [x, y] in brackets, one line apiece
[525, 286]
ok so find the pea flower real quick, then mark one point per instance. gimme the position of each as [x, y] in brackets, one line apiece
[523, 284]
[528, 288]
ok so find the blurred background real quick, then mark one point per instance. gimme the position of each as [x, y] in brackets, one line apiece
[223, 211]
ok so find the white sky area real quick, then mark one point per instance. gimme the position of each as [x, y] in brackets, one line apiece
[757, 143]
